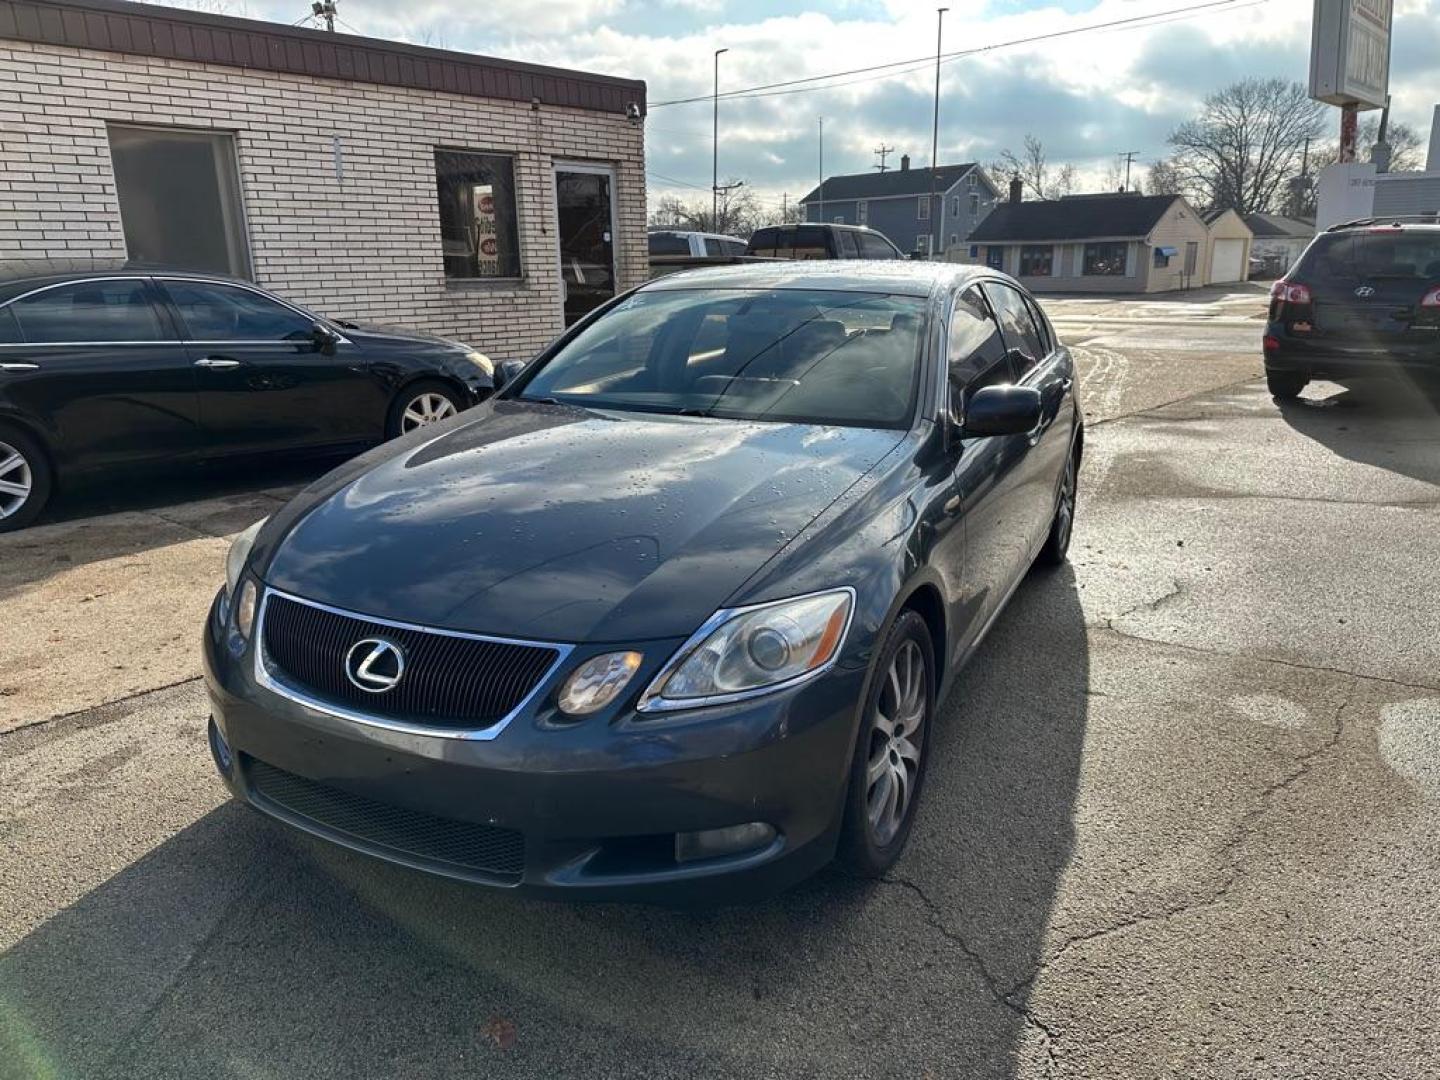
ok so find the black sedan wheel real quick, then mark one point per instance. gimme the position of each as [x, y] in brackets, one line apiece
[1057, 544]
[889, 766]
[24, 479]
[420, 405]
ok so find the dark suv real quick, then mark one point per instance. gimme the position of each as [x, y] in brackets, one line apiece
[821, 242]
[1364, 299]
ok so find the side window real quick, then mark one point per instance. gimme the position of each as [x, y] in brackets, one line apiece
[1047, 332]
[668, 243]
[734, 247]
[811, 242]
[9, 328]
[874, 246]
[108, 310]
[848, 248]
[976, 349]
[714, 246]
[214, 312]
[1016, 323]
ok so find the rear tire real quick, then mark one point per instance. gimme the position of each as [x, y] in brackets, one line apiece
[26, 478]
[1285, 385]
[421, 404]
[887, 774]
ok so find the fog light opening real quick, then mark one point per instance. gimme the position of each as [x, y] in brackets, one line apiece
[220, 749]
[715, 843]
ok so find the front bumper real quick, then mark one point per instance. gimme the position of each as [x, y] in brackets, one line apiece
[585, 810]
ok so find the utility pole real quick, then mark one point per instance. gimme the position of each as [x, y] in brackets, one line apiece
[784, 207]
[935, 132]
[324, 9]
[882, 151]
[1129, 156]
[715, 149]
[723, 190]
[821, 211]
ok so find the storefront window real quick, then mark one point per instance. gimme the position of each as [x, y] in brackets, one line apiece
[1105, 260]
[1036, 260]
[479, 235]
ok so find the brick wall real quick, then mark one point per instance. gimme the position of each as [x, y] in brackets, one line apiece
[367, 247]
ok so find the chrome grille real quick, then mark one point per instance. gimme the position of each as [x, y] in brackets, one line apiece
[469, 846]
[450, 680]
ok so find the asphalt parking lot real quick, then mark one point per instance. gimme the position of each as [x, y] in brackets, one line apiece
[1183, 818]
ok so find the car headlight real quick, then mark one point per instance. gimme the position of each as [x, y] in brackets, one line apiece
[748, 651]
[239, 553]
[480, 360]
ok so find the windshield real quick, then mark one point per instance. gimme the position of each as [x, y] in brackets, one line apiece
[816, 357]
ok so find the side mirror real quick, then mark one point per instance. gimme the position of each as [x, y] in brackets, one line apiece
[323, 336]
[1002, 410]
[506, 371]
[1020, 360]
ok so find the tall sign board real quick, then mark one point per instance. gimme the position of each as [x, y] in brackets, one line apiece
[1350, 52]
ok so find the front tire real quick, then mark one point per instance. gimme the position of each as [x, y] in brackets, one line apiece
[888, 770]
[1057, 544]
[1285, 385]
[421, 404]
[25, 479]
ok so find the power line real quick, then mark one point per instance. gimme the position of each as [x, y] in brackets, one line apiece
[920, 63]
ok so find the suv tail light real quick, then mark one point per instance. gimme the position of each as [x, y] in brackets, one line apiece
[1431, 299]
[1290, 292]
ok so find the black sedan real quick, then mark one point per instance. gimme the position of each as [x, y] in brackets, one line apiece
[670, 615]
[117, 367]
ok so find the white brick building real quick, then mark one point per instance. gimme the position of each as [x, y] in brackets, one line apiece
[317, 164]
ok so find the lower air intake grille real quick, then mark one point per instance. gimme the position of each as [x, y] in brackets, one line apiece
[483, 849]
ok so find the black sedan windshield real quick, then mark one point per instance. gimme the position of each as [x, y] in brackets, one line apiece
[817, 357]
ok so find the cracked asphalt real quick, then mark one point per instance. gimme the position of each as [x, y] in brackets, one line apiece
[1183, 818]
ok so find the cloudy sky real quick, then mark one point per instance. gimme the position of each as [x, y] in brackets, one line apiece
[1088, 96]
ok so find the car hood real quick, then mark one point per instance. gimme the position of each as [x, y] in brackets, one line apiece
[564, 524]
[360, 333]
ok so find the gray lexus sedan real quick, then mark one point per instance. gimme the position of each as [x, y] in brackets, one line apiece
[669, 616]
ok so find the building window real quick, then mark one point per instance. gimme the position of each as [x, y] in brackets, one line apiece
[995, 257]
[922, 208]
[179, 194]
[1161, 257]
[862, 211]
[922, 244]
[974, 203]
[955, 204]
[954, 239]
[972, 179]
[1105, 260]
[1036, 260]
[479, 233]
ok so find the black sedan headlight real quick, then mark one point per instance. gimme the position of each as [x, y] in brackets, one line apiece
[743, 652]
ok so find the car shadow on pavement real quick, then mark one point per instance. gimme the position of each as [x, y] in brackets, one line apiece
[239, 948]
[1391, 424]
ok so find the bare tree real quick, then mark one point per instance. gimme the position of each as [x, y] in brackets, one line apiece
[1246, 143]
[1163, 178]
[1034, 171]
[740, 212]
[1407, 149]
[1114, 176]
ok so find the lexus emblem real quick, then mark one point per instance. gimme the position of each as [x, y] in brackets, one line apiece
[374, 665]
[1364, 290]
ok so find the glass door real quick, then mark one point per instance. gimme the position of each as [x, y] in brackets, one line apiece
[586, 223]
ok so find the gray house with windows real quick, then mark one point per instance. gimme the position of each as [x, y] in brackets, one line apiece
[1110, 243]
[482, 199]
[898, 204]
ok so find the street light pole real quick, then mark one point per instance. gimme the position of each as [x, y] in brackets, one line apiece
[935, 132]
[715, 150]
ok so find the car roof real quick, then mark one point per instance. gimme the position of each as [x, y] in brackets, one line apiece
[24, 275]
[1404, 222]
[821, 225]
[895, 276]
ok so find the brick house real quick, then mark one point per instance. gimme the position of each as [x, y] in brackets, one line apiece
[1110, 243]
[483, 199]
[898, 203]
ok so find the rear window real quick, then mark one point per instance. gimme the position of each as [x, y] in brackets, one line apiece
[669, 244]
[1352, 256]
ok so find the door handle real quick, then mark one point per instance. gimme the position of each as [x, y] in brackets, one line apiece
[217, 362]
[16, 366]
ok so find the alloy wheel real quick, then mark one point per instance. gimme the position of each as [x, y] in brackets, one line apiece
[896, 740]
[427, 408]
[1065, 512]
[17, 480]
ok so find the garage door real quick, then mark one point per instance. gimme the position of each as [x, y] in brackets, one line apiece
[1229, 262]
